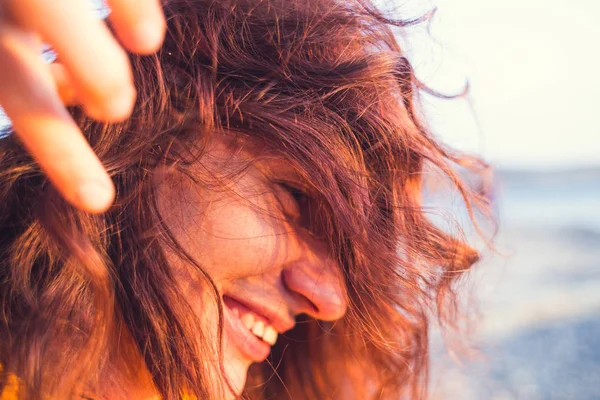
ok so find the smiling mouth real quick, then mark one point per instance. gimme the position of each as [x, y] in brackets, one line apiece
[250, 331]
[252, 321]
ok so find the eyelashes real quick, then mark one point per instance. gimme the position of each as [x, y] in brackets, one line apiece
[295, 202]
[299, 195]
[303, 208]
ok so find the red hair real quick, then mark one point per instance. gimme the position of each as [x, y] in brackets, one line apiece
[324, 83]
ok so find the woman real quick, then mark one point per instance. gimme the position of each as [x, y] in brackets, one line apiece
[267, 239]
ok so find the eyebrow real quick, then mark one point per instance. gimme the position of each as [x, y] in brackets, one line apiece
[281, 167]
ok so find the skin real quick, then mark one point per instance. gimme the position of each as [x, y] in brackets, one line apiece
[254, 239]
[93, 71]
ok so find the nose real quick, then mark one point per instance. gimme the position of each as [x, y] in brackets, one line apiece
[317, 288]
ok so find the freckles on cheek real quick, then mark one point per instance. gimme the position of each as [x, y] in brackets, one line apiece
[232, 231]
[237, 239]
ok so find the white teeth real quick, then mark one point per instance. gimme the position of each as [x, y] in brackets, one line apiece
[270, 335]
[259, 329]
[248, 320]
[265, 332]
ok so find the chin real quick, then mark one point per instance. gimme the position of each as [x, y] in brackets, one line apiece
[236, 370]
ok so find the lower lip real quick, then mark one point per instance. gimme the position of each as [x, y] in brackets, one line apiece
[249, 345]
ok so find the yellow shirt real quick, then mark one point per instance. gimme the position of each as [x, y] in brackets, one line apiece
[11, 389]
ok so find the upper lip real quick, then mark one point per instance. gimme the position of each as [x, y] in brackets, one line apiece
[278, 317]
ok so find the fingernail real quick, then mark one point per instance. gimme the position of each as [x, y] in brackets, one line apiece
[95, 196]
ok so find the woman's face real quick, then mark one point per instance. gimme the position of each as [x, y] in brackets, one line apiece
[256, 234]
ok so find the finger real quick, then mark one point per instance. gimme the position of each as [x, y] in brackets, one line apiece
[98, 65]
[139, 24]
[46, 129]
[64, 84]
[60, 75]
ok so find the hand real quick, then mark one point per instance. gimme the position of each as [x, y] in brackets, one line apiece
[93, 71]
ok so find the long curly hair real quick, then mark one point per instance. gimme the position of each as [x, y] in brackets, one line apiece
[325, 83]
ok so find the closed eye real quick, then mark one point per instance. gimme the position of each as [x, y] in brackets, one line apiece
[296, 203]
[298, 194]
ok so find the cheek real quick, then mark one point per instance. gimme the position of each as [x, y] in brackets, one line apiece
[234, 239]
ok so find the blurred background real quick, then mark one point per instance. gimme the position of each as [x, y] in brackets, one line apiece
[533, 68]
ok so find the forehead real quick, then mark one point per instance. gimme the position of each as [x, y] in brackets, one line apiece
[234, 156]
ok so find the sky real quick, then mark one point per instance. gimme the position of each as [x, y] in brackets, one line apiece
[534, 73]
